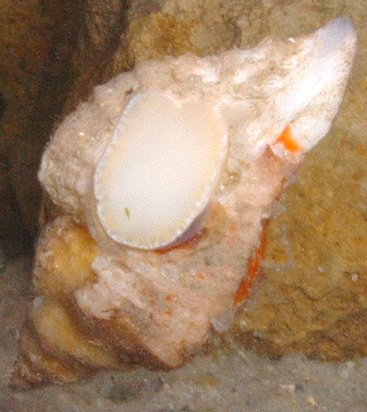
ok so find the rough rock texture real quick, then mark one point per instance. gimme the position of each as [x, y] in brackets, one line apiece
[35, 75]
[313, 297]
[313, 294]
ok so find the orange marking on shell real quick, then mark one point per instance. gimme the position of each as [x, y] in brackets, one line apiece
[201, 276]
[254, 269]
[187, 245]
[287, 139]
[169, 297]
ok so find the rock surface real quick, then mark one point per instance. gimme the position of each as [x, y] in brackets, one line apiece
[313, 296]
[35, 77]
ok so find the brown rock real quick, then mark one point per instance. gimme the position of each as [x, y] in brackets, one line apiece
[35, 77]
[313, 297]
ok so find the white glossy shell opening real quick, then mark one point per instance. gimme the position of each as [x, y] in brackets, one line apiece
[159, 170]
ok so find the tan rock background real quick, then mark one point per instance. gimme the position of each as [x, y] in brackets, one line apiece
[313, 294]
